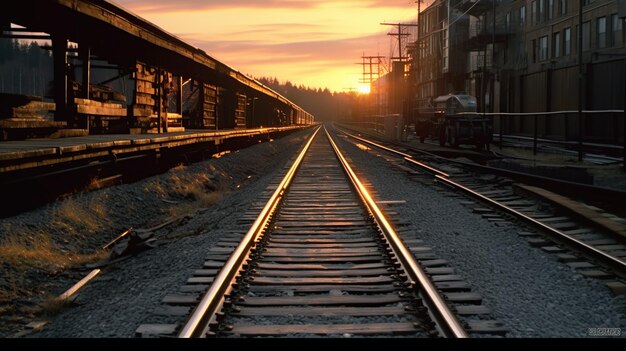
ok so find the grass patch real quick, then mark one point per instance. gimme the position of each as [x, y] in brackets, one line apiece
[199, 198]
[52, 306]
[77, 219]
[39, 251]
[191, 191]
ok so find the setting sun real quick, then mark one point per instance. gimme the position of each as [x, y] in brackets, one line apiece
[312, 43]
[363, 89]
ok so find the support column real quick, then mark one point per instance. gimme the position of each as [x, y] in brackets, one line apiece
[581, 81]
[59, 53]
[198, 118]
[159, 100]
[179, 96]
[85, 57]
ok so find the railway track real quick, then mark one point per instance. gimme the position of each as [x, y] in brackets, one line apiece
[582, 237]
[321, 251]
[323, 259]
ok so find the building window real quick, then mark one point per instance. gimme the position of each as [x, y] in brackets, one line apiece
[541, 12]
[533, 13]
[586, 36]
[543, 48]
[567, 41]
[616, 28]
[522, 16]
[507, 21]
[550, 9]
[534, 44]
[601, 32]
[556, 45]
[562, 7]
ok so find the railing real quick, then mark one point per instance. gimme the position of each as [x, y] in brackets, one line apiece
[597, 129]
[477, 61]
[486, 28]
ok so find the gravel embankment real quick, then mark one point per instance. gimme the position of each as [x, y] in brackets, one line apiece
[126, 294]
[526, 288]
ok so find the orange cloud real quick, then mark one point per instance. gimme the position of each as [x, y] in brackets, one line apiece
[315, 43]
[183, 5]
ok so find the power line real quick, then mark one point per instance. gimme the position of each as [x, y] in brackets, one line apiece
[368, 61]
[400, 34]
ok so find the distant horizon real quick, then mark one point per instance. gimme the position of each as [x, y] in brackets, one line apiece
[316, 44]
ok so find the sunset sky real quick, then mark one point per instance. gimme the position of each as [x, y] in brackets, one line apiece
[314, 43]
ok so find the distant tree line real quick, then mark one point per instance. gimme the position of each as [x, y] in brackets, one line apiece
[24, 68]
[322, 103]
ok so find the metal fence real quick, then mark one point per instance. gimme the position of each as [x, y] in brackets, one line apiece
[567, 128]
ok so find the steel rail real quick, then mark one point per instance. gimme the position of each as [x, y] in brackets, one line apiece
[446, 321]
[430, 169]
[407, 157]
[615, 263]
[592, 192]
[377, 145]
[213, 298]
[611, 261]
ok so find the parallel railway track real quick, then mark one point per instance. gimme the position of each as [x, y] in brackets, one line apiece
[321, 259]
[583, 238]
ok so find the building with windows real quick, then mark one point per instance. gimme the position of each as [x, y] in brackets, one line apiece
[523, 56]
[439, 63]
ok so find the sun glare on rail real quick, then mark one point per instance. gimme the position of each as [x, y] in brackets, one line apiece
[363, 89]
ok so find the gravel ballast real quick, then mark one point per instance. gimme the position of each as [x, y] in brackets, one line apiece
[127, 292]
[527, 289]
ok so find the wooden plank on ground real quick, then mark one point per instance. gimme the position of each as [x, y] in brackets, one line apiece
[594, 217]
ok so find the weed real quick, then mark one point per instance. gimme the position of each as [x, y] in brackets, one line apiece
[52, 306]
[39, 251]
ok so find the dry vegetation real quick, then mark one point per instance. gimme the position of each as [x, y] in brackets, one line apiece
[79, 221]
[29, 253]
[38, 250]
[53, 306]
[70, 232]
[189, 192]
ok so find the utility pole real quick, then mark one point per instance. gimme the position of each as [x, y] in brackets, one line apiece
[401, 95]
[368, 76]
[581, 80]
[621, 10]
[419, 48]
[400, 34]
[492, 93]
